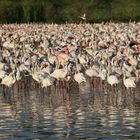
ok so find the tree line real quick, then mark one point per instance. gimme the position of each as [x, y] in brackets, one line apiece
[62, 11]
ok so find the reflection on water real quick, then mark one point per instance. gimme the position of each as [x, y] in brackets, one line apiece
[85, 113]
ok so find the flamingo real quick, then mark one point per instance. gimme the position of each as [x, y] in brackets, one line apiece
[92, 72]
[4, 66]
[47, 81]
[52, 58]
[102, 74]
[60, 73]
[83, 17]
[83, 59]
[9, 80]
[112, 79]
[79, 77]
[129, 82]
[2, 74]
[44, 78]
[35, 73]
[63, 58]
[47, 68]
[18, 74]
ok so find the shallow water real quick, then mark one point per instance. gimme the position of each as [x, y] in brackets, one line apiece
[85, 113]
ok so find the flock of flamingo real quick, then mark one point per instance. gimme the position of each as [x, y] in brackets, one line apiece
[55, 54]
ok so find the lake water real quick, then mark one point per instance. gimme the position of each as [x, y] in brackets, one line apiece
[85, 113]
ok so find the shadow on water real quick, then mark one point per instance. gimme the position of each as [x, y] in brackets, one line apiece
[93, 110]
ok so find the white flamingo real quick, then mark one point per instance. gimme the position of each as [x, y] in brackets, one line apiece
[92, 72]
[60, 73]
[47, 81]
[112, 79]
[18, 74]
[129, 82]
[102, 74]
[52, 58]
[2, 74]
[4, 66]
[9, 80]
[79, 77]
[35, 74]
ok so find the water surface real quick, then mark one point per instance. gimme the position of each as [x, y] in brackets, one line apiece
[85, 113]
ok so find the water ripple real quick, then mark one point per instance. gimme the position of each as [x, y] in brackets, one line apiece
[73, 115]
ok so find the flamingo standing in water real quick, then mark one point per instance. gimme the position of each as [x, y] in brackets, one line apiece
[128, 82]
[47, 81]
[79, 78]
[61, 73]
[112, 79]
[10, 79]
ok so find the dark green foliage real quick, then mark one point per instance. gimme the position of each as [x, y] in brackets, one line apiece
[62, 11]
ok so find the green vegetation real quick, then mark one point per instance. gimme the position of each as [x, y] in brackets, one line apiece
[62, 11]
